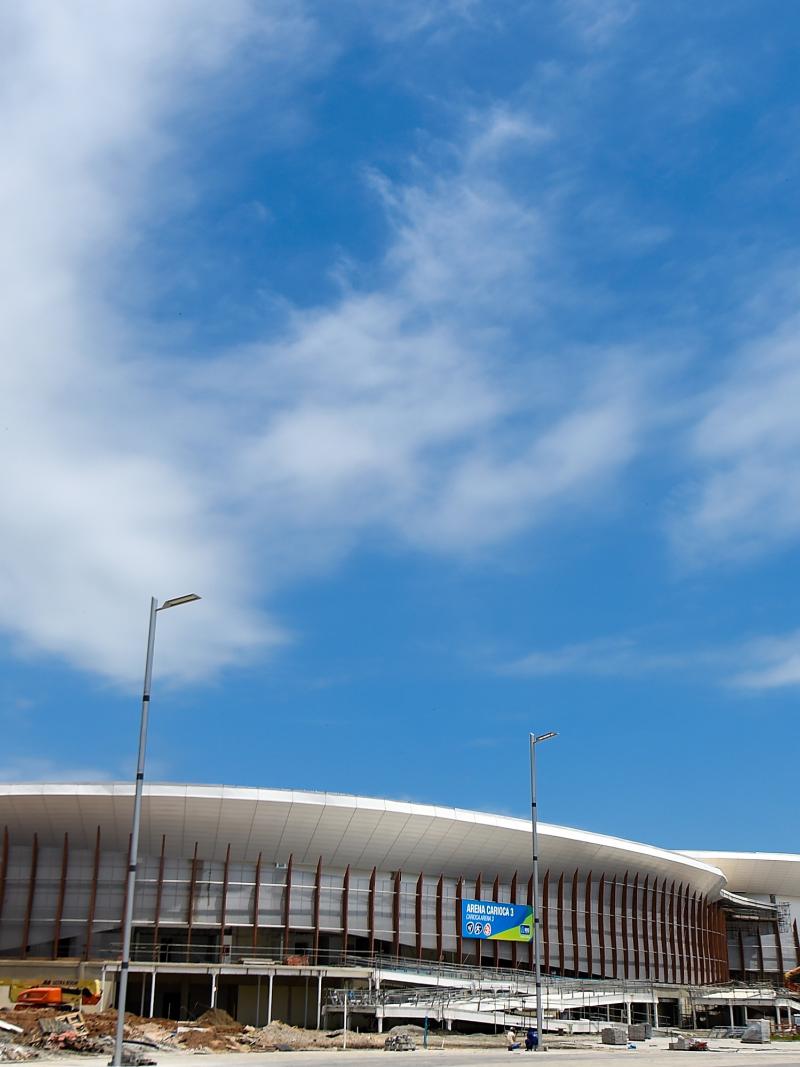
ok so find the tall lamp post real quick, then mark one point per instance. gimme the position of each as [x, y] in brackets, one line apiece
[535, 739]
[137, 812]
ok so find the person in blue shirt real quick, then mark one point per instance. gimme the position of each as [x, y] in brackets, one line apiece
[531, 1039]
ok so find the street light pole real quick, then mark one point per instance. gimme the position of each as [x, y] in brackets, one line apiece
[534, 741]
[137, 815]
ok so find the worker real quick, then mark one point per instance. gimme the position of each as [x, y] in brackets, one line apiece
[531, 1039]
[512, 1039]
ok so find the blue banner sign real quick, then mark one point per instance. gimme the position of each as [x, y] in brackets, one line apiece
[490, 920]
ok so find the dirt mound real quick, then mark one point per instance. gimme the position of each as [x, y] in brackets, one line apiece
[218, 1017]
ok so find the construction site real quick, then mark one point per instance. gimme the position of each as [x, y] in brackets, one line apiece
[269, 919]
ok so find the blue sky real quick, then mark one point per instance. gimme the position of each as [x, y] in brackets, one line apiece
[451, 351]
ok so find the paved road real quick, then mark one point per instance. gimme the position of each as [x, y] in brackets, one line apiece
[651, 1054]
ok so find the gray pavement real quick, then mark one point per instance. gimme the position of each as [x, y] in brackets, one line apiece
[655, 1053]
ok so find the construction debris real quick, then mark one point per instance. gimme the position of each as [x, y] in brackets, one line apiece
[12, 1053]
[399, 1043]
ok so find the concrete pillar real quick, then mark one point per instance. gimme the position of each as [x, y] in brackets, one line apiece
[258, 1000]
[655, 1014]
[744, 1011]
[213, 989]
[778, 1015]
[152, 993]
[730, 1009]
[627, 1011]
[269, 1000]
[319, 1001]
[380, 1022]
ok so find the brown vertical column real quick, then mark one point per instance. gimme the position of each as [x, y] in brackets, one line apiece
[4, 871]
[531, 960]
[741, 955]
[794, 929]
[26, 927]
[635, 924]
[672, 945]
[287, 905]
[345, 916]
[317, 903]
[612, 913]
[707, 971]
[62, 886]
[687, 936]
[654, 929]
[587, 924]
[496, 898]
[396, 913]
[626, 963]
[223, 910]
[680, 932]
[125, 879]
[664, 931]
[190, 910]
[371, 912]
[561, 963]
[418, 916]
[256, 901]
[544, 926]
[779, 947]
[440, 917]
[695, 972]
[159, 895]
[574, 910]
[646, 926]
[723, 935]
[87, 952]
[459, 938]
[601, 922]
[513, 897]
[760, 950]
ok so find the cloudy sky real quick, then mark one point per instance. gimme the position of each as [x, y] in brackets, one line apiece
[451, 351]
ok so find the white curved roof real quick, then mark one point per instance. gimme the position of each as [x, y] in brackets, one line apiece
[360, 831]
[757, 872]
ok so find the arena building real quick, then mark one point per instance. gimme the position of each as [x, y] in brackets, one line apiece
[236, 886]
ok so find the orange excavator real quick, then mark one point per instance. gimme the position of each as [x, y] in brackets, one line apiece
[792, 980]
[50, 993]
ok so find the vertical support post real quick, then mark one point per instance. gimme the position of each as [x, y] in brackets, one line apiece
[495, 898]
[779, 948]
[601, 922]
[646, 927]
[256, 901]
[190, 911]
[159, 896]
[439, 918]
[269, 997]
[536, 917]
[371, 912]
[612, 911]
[513, 899]
[635, 925]
[459, 902]
[137, 814]
[576, 962]
[560, 904]
[258, 1001]
[213, 989]
[545, 922]
[287, 906]
[679, 933]
[625, 941]
[345, 920]
[62, 887]
[478, 946]
[396, 913]
[587, 924]
[794, 924]
[223, 908]
[530, 905]
[26, 928]
[418, 915]
[319, 1001]
[152, 993]
[317, 903]
[93, 903]
[654, 929]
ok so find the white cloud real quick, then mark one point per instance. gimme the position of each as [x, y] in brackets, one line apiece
[420, 405]
[774, 663]
[745, 449]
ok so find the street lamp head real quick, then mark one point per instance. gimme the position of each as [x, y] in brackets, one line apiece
[179, 600]
[543, 737]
